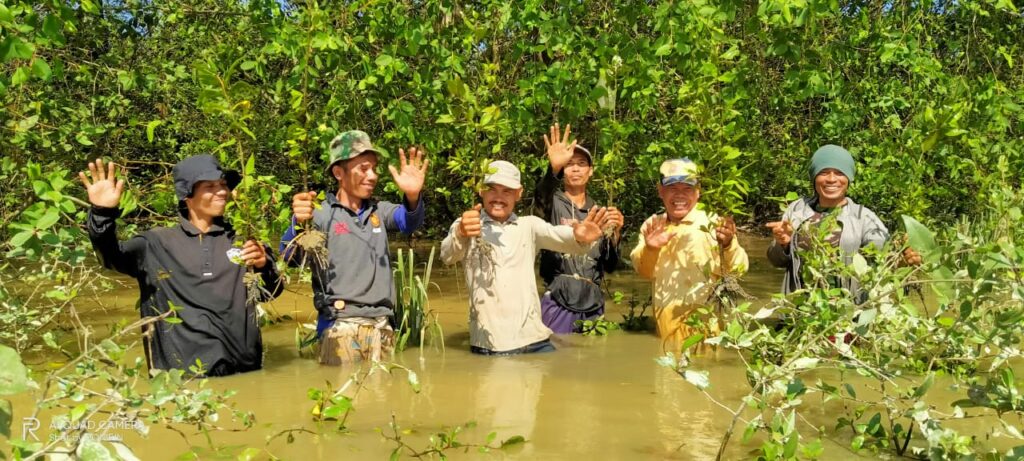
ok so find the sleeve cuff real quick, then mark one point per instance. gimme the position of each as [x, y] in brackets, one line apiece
[105, 212]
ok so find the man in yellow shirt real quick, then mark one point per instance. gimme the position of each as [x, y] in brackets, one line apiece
[679, 251]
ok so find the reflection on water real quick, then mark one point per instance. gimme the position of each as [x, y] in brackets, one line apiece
[603, 398]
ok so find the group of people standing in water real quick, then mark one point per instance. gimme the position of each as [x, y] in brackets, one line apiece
[198, 268]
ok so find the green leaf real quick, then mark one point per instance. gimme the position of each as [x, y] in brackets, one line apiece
[83, 139]
[20, 238]
[697, 378]
[92, 450]
[17, 48]
[921, 390]
[41, 69]
[513, 441]
[13, 374]
[692, 340]
[249, 454]
[151, 128]
[89, 6]
[48, 219]
[173, 320]
[248, 65]
[663, 50]
[921, 239]
[384, 60]
[5, 14]
[20, 76]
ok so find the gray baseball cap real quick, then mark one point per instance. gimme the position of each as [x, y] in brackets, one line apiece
[503, 173]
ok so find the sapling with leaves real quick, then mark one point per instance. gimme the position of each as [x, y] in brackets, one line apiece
[724, 190]
[229, 99]
[481, 250]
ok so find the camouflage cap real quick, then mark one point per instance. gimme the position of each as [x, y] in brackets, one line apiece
[348, 145]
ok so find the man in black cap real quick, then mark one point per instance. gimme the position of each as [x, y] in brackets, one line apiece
[196, 267]
[573, 281]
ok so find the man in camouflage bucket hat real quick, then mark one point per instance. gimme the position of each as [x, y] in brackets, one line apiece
[353, 289]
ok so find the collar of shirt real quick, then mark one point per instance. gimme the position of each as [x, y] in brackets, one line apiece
[484, 217]
[368, 204]
[845, 211]
[695, 216]
[217, 227]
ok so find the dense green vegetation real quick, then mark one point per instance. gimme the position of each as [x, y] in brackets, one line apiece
[927, 95]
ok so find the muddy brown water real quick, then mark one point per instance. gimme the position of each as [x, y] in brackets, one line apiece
[595, 397]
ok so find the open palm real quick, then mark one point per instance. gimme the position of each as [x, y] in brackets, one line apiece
[103, 189]
[411, 171]
[559, 148]
[656, 234]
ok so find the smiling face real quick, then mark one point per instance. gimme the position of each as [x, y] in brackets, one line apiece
[679, 199]
[357, 177]
[578, 171]
[830, 186]
[208, 198]
[500, 201]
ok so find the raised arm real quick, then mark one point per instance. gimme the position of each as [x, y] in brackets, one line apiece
[104, 192]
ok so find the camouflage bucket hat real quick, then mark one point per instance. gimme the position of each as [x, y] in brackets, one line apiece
[348, 145]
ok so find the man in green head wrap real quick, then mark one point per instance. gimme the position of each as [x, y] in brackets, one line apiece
[854, 226]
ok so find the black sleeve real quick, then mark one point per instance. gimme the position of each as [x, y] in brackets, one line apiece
[125, 257]
[544, 196]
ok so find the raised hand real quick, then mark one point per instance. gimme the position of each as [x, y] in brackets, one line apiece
[656, 234]
[104, 190]
[590, 229]
[470, 224]
[302, 206]
[411, 173]
[782, 231]
[725, 231]
[254, 254]
[559, 148]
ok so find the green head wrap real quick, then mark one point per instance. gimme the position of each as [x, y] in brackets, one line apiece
[832, 156]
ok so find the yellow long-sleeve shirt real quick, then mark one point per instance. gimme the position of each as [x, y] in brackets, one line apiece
[684, 270]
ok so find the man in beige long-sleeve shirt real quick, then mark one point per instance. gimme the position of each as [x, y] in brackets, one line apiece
[677, 251]
[499, 249]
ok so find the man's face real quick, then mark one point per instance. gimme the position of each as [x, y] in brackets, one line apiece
[831, 185]
[208, 198]
[679, 199]
[500, 201]
[358, 175]
[578, 171]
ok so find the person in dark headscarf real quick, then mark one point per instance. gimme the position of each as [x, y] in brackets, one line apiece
[851, 226]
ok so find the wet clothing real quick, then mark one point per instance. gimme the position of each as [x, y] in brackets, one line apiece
[181, 266]
[358, 269]
[504, 306]
[561, 320]
[351, 339]
[574, 281]
[859, 227]
[539, 346]
[678, 270]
